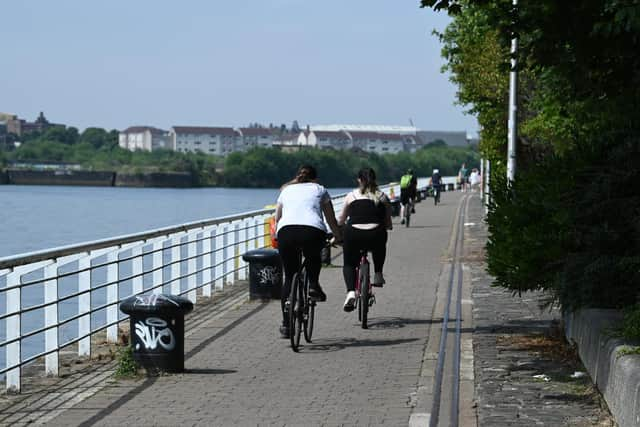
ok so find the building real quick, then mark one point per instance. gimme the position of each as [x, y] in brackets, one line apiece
[19, 127]
[337, 140]
[256, 137]
[452, 138]
[219, 141]
[144, 138]
[381, 143]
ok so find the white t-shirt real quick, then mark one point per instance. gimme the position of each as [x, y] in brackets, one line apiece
[474, 178]
[301, 205]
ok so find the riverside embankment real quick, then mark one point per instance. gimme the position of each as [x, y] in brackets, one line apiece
[97, 178]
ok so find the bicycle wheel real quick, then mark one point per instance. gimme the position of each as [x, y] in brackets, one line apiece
[408, 215]
[309, 311]
[295, 312]
[364, 294]
[436, 197]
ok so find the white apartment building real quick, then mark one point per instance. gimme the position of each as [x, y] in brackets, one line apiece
[256, 137]
[338, 140]
[381, 143]
[219, 141]
[144, 138]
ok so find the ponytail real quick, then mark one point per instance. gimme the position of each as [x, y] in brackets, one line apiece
[368, 185]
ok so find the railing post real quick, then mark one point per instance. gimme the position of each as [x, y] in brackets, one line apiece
[84, 305]
[263, 228]
[219, 258]
[230, 254]
[176, 243]
[113, 277]
[207, 235]
[242, 248]
[51, 361]
[158, 264]
[251, 234]
[14, 305]
[192, 252]
[137, 270]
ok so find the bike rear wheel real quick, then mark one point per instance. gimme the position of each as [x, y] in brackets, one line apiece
[296, 306]
[309, 311]
[364, 295]
[408, 215]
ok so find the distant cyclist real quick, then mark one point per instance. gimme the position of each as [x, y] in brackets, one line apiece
[301, 228]
[436, 183]
[408, 190]
[366, 215]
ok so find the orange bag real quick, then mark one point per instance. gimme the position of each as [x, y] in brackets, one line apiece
[272, 231]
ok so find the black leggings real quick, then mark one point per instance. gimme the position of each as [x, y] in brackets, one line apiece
[355, 240]
[291, 240]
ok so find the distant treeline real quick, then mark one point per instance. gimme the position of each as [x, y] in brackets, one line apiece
[97, 150]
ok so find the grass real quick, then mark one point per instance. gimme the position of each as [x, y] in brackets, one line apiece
[127, 366]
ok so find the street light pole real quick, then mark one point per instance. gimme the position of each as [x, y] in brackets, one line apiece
[513, 106]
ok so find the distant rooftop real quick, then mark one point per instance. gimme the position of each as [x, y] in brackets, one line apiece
[408, 130]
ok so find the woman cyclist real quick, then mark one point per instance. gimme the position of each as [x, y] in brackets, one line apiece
[300, 227]
[367, 217]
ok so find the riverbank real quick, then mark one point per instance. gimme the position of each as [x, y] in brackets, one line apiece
[97, 178]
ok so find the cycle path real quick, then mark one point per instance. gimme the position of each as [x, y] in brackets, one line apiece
[240, 372]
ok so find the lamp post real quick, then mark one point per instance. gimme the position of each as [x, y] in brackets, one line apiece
[513, 105]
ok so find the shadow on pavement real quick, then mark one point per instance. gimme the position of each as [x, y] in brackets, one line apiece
[399, 322]
[209, 371]
[342, 343]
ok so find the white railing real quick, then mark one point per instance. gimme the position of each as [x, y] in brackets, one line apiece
[62, 296]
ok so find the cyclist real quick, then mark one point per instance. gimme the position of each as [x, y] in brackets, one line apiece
[366, 216]
[408, 187]
[300, 228]
[436, 182]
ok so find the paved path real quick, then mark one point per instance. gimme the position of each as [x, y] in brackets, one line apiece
[241, 373]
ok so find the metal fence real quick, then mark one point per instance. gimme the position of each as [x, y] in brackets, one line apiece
[54, 298]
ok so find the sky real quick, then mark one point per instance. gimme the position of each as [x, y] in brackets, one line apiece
[118, 63]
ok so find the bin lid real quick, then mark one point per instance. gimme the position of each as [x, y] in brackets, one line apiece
[156, 303]
[261, 255]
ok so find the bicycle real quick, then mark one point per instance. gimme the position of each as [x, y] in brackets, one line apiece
[407, 212]
[302, 308]
[364, 289]
[436, 195]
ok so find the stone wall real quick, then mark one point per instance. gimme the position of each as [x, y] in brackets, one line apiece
[155, 179]
[60, 177]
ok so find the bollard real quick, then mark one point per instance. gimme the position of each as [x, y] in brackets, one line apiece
[265, 273]
[157, 330]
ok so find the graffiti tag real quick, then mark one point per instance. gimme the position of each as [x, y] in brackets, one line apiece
[155, 332]
[268, 274]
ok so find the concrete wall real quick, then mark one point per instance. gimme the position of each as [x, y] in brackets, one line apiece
[30, 177]
[155, 179]
[617, 377]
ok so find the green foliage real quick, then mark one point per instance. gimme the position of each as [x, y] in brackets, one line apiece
[261, 167]
[630, 328]
[127, 366]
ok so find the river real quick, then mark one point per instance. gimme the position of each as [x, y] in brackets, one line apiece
[41, 217]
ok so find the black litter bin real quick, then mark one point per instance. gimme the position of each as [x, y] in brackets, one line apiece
[265, 273]
[157, 330]
[395, 207]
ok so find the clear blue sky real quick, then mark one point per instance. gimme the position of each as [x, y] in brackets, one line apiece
[118, 63]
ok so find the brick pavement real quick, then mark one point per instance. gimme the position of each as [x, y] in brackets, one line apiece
[512, 339]
[239, 372]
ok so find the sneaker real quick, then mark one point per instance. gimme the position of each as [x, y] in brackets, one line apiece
[378, 280]
[316, 293]
[284, 331]
[350, 301]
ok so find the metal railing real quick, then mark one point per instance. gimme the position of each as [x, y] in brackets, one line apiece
[62, 296]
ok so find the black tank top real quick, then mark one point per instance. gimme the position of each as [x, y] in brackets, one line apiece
[365, 211]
